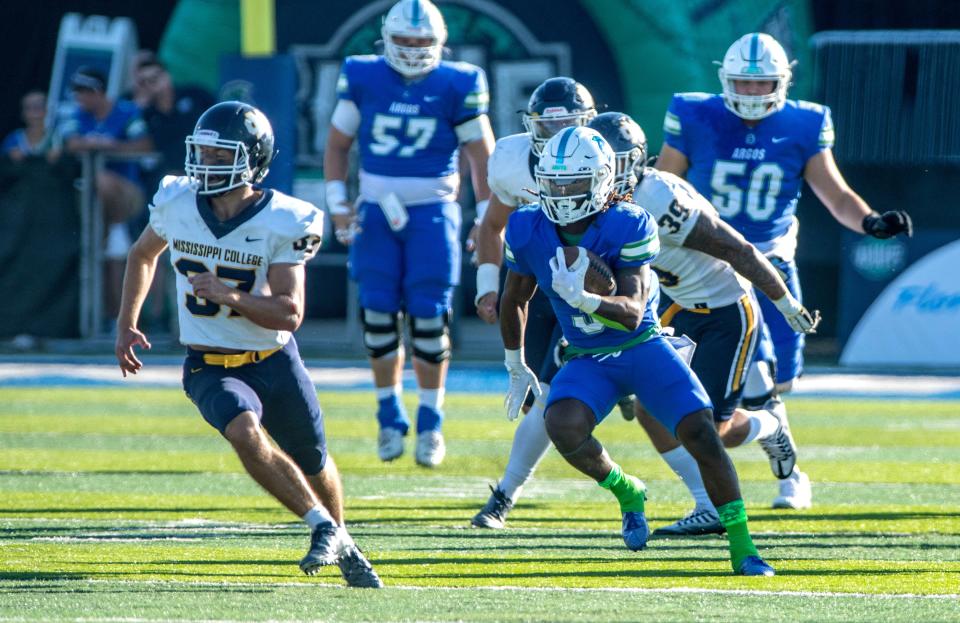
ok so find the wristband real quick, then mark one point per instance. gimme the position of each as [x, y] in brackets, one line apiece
[589, 302]
[336, 196]
[488, 280]
[513, 356]
[481, 208]
[786, 304]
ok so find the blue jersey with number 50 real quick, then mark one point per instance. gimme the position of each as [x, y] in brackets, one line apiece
[753, 176]
[407, 127]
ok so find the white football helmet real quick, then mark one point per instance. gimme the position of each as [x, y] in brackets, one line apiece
[413, 18]
[755, 56]
[575, 175]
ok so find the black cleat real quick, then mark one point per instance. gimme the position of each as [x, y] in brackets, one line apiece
[494, 512]
[626, 407]
[327, 544]
[357, 570]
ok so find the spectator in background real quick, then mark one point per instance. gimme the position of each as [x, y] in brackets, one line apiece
[33, 139]
[100, 124]
[170, 112]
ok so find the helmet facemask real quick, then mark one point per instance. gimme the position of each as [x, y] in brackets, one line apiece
[214, 179]
[575, 175]
[413, 19]
[628, 162]
[571, 197]
[542, 127]
[755, 57]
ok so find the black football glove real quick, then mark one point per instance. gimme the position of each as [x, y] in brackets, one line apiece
[888, 224]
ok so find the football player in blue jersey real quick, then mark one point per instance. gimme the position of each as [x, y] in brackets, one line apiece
[616, 347]
[410, 113]
[749, 151]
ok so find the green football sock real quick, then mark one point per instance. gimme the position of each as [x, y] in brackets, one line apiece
[733, 516]
[628, 490]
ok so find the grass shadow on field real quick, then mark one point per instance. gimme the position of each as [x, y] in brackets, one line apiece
[61, 510]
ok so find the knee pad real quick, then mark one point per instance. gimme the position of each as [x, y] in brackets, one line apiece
[310, 459]
[381, 332]
[431, 338]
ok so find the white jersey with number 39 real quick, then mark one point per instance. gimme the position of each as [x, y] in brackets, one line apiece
[508, 171]
[691, 278]
[276, 229]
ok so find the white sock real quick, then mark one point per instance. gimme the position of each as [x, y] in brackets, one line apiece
[318, 516]
[685, 466]
[530, 443]
[762, 425]
[431, 398]
[389, 391]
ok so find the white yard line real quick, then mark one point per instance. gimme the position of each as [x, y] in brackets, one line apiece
[529, 589]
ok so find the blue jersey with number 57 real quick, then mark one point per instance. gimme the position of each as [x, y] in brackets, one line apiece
[753, 176]
[407, 128]
[623, 236]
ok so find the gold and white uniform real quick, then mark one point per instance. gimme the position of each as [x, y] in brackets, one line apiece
[694, 280]
[277, 229]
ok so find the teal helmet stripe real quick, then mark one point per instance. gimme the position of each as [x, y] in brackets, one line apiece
[754, 51]
[563, 143]
[415, 17]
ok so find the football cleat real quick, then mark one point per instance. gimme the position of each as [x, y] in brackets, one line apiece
[494, 513]
[635, 530]
[780, 446]
[697, 522]
[430, 448]
[389, 444]
[795, 492]
[357, 570]
[754, 565]
[327, 544]
[626, 407]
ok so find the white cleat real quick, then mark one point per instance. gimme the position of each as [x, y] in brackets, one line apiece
[780, 447]
[795, 492]
[430, 448]
[389, 444]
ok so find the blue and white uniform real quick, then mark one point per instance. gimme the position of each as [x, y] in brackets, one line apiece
[409, 146]
[610, 361]
[753, 176]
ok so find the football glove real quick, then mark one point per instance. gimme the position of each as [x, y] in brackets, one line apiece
[522, 378]
[888, 224]
[796, 315]
[568, 282]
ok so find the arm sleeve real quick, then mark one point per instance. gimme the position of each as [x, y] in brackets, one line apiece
[304, 241]
[673, 125]
[514, 261]
[826, 136]
[495, 175]
[674, 205]
[641, 243]
[347, 83]
[158, 205]
[475, 96]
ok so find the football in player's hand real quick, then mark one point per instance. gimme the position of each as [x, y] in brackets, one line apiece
[599, 278]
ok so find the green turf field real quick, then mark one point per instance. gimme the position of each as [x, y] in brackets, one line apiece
[123, 505]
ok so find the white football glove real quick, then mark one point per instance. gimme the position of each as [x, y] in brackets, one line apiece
[568, 282]
[796, 315]
[522, 378]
